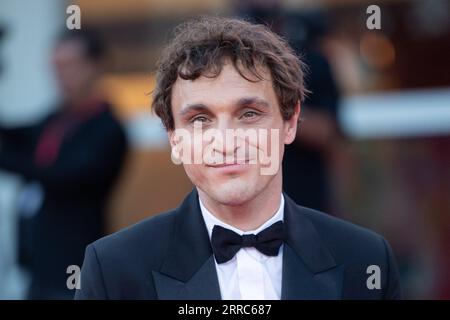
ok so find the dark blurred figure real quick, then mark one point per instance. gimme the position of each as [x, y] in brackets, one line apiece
[70, 161]
[305, 175]
[267, 12]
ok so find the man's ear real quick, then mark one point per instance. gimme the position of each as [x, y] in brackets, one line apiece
[171, 137]
[290, 126]
[174, 147]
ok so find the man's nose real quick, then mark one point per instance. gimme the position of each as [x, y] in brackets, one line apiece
[224, 141]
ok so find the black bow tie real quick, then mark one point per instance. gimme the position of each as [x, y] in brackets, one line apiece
[226, 243]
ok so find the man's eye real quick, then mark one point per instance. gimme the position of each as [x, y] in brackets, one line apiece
[199, 118]
[249, 114]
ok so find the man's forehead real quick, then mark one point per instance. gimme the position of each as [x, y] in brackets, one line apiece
[228, 86]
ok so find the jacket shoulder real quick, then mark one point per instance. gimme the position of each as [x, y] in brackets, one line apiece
[340, 226]
[360, 250]
[143, 243]
[346, 240]
[119, 265]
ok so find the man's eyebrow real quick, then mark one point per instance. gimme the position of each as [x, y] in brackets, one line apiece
[253, 101]
[242, 102]
[196, 107]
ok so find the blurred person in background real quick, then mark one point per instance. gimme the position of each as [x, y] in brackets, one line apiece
[305, 176]
[69, 161]
[305, 168]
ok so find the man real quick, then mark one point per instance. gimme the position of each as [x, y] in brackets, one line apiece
[236, 236]
[70, 161]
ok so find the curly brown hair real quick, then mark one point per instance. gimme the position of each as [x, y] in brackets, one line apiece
[201, 46]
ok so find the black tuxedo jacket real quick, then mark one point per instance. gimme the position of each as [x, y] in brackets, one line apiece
[169, 256]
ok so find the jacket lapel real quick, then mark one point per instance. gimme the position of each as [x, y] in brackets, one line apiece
[309, 270]
[203, 285]
[189, 271]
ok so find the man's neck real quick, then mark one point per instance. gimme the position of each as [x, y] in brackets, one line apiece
[251, 214]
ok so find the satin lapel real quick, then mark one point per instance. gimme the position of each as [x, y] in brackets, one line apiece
[189, 271]
[309, 270]
[202, 286]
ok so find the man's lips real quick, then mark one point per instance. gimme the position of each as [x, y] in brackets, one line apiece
[230, 167]
[229, 164]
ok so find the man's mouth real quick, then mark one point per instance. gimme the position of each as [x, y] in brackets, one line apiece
[231, 167]
[230, 163]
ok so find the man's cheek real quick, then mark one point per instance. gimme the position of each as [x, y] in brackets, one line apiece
[269, 151]
[197, 177]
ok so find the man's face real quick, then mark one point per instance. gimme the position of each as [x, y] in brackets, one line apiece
[221, 105]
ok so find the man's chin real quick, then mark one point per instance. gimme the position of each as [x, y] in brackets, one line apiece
[231, 194]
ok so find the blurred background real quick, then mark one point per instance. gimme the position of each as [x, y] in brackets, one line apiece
[81, 154]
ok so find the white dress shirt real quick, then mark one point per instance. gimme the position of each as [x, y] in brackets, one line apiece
[250, 275]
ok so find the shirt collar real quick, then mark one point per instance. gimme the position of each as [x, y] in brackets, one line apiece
[211, 220]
